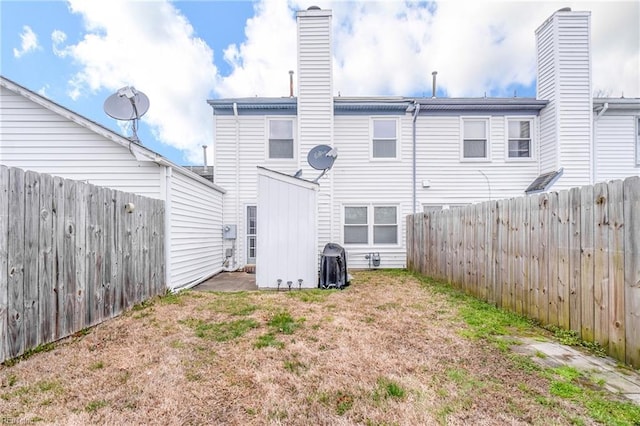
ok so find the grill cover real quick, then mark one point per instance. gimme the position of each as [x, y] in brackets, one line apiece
[333, 267]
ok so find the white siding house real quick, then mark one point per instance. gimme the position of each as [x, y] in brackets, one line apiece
[40, 135]
[398, 155]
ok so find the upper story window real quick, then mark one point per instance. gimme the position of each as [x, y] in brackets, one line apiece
[475, 138]
[519, 138]
[280, 138]
[363, 224]
[384, 141]
[638, 141]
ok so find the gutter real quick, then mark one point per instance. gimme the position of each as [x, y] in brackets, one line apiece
[416, 111]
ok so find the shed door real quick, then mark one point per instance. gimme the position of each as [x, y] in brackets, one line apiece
[252, 224]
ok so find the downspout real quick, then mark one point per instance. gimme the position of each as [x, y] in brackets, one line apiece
[168, 173]
[594, 157]
[416, 111]
[237, 188]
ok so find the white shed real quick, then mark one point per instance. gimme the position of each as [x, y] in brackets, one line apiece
[287, 219]
[38, 134]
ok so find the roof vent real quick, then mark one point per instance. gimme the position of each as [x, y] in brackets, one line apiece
[313, 8]
[565, 9]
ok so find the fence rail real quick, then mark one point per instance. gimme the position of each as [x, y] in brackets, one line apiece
[71, 256]
[570, 259]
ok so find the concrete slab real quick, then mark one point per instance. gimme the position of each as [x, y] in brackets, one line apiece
[229, 281]
[552, 354]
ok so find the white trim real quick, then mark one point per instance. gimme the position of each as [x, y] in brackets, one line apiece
[532, 137]
[398, 139]
[487, 120]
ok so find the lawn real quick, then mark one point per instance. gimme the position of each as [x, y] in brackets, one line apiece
[390, 349]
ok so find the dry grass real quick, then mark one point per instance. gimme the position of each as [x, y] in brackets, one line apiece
[386, 350]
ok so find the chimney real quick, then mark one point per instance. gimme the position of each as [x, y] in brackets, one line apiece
[315, 81]
[433, 88]
[563, 49]
[205, 169]
[291, 83]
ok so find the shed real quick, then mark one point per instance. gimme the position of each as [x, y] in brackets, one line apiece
[287, 219]
[40, 135]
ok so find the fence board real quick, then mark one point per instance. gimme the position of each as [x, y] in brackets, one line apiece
[504, 255]
[554, 262]
[15, 263]
[631, 191]
[563, 255]
[492, 220]
[60, 236]
[601, 265]
[30, 315]
[586, 263]
[4, 247]
[534, 257]
[46, 277]
[575, 316]
[81, 293]
[59, 258]
[543, 286]
[616, 271]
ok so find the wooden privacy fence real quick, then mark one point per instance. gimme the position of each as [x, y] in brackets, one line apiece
[71, 256]
[570, 259]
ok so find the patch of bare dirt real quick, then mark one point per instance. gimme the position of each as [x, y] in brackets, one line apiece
[384, 351]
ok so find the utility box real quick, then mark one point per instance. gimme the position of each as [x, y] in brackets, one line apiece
[287, 231]
[229, 232]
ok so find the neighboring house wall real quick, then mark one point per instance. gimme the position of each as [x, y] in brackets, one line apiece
[195, 230]
[564, 79]
[616, 145]
[37, 134]
[36, 138]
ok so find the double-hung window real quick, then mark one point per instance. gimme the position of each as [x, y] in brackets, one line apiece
[365, 224]
[384, 142]
[519, 133]
[280, 139]
[637, 141]
[475, 139]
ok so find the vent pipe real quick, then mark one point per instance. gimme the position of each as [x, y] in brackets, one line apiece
[433, 88]
[291, 84]
[205, 169]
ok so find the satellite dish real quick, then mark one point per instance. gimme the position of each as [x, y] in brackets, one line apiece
[322, 157]
[127, 104]
[318, 158]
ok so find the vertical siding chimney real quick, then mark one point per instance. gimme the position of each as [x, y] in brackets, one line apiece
[315, 103]
[564, 79]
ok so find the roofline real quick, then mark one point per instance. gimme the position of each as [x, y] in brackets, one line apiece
[616, 103]
[140, 152]
[283, 177]
[377, 103]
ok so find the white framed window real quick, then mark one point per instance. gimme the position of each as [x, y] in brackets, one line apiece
[475, 139]
[637, 141]
[280, 144]
[520, 133]
[370, 224]
[384, 138]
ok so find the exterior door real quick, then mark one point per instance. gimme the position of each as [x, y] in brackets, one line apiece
[252, 224]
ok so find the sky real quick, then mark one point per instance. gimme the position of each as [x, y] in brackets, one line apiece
[181, 53]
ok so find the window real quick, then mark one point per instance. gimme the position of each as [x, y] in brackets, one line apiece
[252, 224]
[356, 229]
[474, 140]
[384, 143]
[519, 135]
[371, 223]
[638, 141]
[280, 139]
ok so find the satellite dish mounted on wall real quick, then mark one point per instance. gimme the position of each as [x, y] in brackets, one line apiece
[322, 157]
[127, 104]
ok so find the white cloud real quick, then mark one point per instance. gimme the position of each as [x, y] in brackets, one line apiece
[380, 48]
[29, 42]
[159, 55]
